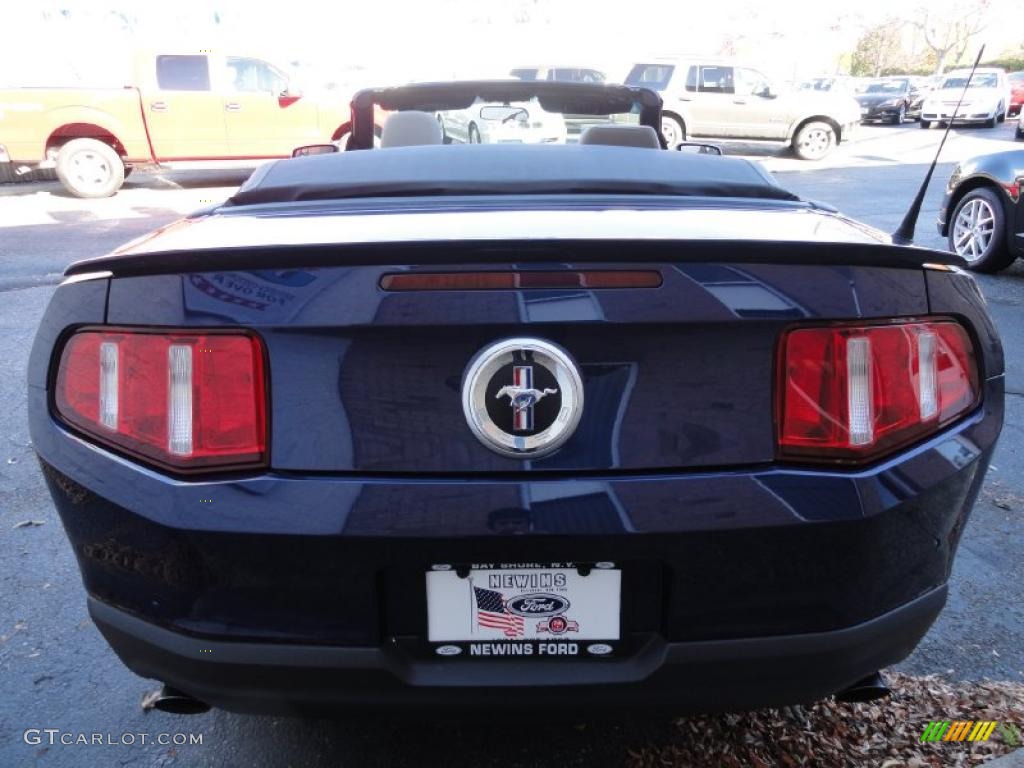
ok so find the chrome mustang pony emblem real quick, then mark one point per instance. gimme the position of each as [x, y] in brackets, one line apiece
[545, 398]
[522, 396]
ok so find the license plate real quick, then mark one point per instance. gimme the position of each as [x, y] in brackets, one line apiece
[523, 602]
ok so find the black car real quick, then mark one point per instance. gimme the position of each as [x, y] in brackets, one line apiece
[889, 99]
[982, 213]
[491, 426]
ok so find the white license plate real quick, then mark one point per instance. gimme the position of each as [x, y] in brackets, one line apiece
[523, 603]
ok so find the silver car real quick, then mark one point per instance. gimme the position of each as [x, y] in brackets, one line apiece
[512, 123]
[723, 100]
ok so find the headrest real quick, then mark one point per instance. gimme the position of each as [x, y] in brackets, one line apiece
[408, 129]
[621, 136]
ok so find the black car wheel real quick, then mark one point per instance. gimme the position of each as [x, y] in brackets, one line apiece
[977, 231]
[926, 124]
[900, 116]
[1020, 132]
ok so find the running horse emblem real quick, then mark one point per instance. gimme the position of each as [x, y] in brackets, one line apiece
[522, 397]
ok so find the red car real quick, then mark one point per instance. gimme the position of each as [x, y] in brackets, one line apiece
[1016, 92]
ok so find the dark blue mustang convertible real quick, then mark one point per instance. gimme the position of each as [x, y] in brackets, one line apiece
[587, 424]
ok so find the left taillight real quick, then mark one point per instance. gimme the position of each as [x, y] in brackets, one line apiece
[183, 400]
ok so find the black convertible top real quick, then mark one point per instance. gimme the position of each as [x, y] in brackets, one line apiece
[482, 169]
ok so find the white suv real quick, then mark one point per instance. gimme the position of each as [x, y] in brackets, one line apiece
[986, 101]
[721, 99]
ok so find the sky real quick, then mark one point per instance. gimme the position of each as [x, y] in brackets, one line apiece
[90, 42]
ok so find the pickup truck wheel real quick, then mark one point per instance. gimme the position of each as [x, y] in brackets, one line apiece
[814, 141]
[89, 168]
[926, 124]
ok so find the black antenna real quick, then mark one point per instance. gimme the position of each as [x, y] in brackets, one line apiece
[904, 235]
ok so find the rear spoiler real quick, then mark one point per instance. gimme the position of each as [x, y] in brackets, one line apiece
[518, 252]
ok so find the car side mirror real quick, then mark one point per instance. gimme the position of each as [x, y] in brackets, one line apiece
[315, 149]
[765, 92]
[696, 148]
[288, 96]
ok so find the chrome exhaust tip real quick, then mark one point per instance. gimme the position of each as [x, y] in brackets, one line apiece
[871, 688]
[176, 702]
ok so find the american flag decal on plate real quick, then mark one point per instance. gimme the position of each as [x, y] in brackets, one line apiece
[491, 613]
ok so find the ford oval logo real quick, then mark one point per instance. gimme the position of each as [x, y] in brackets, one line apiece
[448, 650]
[599, 649]
[538, 604]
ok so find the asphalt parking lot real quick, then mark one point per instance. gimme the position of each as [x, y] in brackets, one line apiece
[58, 672]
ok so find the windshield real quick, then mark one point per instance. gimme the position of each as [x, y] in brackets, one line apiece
[654, 76]
[980, 80]
[497, 112]
[886, 86]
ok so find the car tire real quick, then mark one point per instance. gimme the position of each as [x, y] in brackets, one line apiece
[1001, 114]
[990, 123]
[814, 140]
[977, 231]
[673, 130]
[89, 168]
[900, 116]
[474, 134]
[926, 124]
[1020, 133]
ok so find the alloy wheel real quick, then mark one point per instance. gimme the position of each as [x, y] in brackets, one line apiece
[973, 229]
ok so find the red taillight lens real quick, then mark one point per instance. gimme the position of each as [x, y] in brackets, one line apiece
[856, 392]
[184, 400]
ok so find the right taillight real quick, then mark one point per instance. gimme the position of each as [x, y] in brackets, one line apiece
[855, 392]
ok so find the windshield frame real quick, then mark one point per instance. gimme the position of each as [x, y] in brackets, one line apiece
[552, 95]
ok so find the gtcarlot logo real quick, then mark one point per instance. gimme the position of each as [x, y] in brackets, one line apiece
[53, 736]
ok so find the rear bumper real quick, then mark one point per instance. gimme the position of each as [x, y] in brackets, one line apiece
[718, 675]
[740, 588]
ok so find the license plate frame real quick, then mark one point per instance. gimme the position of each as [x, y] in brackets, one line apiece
[524, 609]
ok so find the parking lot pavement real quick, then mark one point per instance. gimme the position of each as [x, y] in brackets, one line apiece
[58, 673]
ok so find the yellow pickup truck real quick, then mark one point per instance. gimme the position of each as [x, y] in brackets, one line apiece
[184, 110]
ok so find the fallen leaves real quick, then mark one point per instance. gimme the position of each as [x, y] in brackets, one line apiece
[883, 733]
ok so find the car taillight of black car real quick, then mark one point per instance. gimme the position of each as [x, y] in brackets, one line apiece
[183, 400]
[852, 393]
